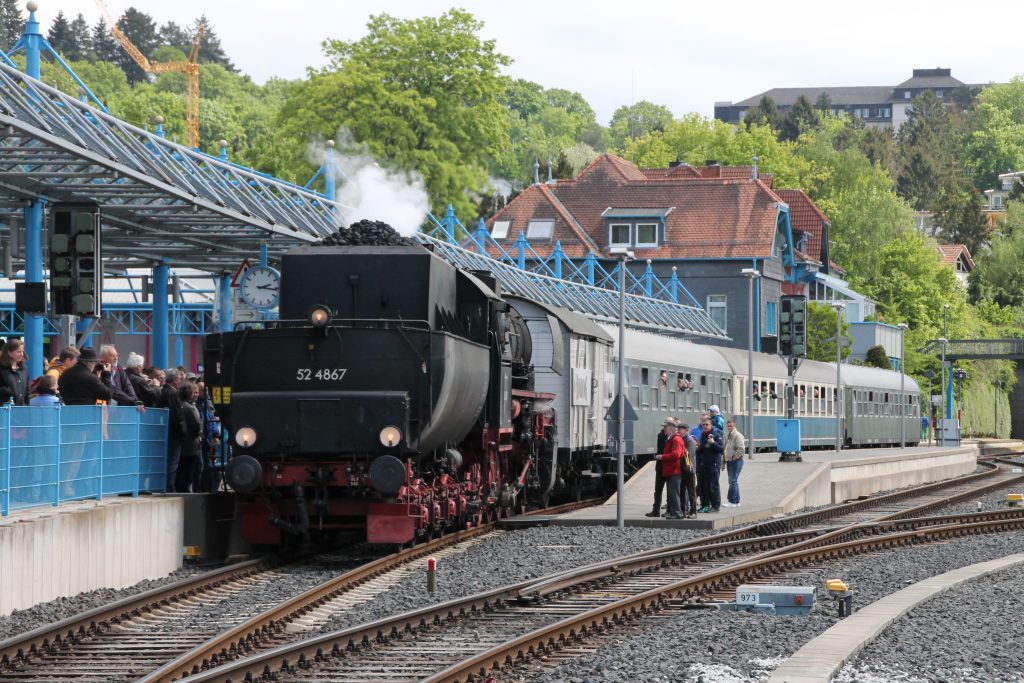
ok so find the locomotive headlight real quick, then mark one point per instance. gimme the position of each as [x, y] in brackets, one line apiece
[319, 316]
[390, 436]
[245, 437]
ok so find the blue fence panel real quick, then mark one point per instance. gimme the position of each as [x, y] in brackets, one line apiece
[153, 450]
[119, 448]
[52, 454]
[81, 445]
[33, 435]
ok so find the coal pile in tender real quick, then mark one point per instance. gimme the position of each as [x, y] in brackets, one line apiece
[367, 233]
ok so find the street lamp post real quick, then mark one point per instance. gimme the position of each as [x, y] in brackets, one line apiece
[929, 374]
[839, 306]
[940, 440]
[623, 255]
[903, 375]
[752, 274]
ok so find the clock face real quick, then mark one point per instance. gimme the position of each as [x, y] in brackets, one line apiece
[261, 287]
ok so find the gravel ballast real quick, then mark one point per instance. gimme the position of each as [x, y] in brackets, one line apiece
[709, 646]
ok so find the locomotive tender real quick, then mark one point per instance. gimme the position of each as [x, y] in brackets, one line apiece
[401, 395]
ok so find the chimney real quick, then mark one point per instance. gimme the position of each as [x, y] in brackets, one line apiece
[711, 162]
[675, 164]
[754, 176]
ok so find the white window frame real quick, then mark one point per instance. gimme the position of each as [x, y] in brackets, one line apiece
[539, 223]
[721, 301]
[906, 94]
[629, 234]
[499, 230]
[636, 233]
[939, 94]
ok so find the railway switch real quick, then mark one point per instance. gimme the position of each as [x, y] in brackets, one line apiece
[780, 600]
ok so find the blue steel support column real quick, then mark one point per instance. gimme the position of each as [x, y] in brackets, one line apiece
[179, 349]
[34, 273]
[33, 42]
[159, 324]
[264, 255]
[225, 303]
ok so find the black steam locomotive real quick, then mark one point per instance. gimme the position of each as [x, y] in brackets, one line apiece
[395, 393]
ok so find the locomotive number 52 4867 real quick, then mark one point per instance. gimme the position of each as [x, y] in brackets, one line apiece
[323, 374]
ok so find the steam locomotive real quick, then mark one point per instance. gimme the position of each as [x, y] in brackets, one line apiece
[395, 393]
[400, 395]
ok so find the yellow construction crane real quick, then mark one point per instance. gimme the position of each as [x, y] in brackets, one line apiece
[190, 68]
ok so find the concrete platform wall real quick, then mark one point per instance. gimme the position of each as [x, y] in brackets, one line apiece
[854, 478]
[47, 553]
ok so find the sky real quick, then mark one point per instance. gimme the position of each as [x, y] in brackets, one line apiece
[684, 55]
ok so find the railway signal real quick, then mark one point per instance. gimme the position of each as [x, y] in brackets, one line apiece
[793, 326]
[76, 269]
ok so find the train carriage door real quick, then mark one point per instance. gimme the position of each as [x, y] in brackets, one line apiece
[581, 391]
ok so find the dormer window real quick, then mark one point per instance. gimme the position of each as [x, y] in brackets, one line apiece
[906, 94]
[500, 229]
[540, 229]
[620, 235]
[646, 234]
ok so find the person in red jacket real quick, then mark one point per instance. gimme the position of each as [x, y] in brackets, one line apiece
[671, 466]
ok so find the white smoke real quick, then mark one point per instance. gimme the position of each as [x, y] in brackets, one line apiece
[367, 190]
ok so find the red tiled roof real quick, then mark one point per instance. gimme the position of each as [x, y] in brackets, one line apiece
[709, 218]
[804, 258]
[680, 171]
[951, 252]
[805, 217]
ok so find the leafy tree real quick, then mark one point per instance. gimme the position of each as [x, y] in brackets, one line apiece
[823, 104]
[876, 357]
[963, 96]
[80, 43]
[578, 156]
[59, 35]
[421, 94]
[765, 113]
[175, 36]
[104, 47]
[139, 28]
[800, 118]
[821, 333]
[995, 139]
[210, 49]
[563, 170]
[12, 23]
[636, 120]
[997, 276]
[961, 220]
[927, 145]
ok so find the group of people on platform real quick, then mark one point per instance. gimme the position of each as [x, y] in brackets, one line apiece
[85, 377]
[689, 462]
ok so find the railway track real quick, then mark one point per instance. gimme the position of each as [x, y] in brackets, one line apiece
[472, 637]
[140, 635]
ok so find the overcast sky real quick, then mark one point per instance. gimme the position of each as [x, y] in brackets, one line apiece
[685, 55]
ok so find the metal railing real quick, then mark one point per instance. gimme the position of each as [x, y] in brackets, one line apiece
[1010, 349]
[60, 453]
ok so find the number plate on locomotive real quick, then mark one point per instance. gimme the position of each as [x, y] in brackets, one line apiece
[320, 374]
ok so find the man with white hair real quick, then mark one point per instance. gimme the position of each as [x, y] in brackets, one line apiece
[146, 389]
[124, 394]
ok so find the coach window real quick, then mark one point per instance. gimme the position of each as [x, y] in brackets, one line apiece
[663, 388]
[645, 386]
[704, 393]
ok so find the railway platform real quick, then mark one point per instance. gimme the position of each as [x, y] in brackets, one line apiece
[769, 488]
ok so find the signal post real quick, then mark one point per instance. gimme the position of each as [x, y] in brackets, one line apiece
[793, 349]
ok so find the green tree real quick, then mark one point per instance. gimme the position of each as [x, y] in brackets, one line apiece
[12, 23]
[59, 34]
[420, 94]
[636, 120]
[210, 49]
[995, 138]
[175, 36]
[800, 118]
[821, 333]
[80, 42]
[766, 113]
[961, 220]
[996, 278]
[823, 104]
[139, 28]
[104, 47]
[563, 170]
[876, 357]
[927, 144]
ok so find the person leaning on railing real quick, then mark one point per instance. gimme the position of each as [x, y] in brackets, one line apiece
[88, 382]
[146, 388]
[45, 392]
[13, 374]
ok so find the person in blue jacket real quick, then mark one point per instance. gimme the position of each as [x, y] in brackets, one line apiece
[717, 419]
[710, 447]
